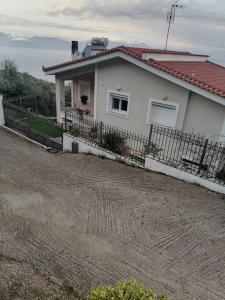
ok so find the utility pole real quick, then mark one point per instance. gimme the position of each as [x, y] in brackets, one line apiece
[171, 18]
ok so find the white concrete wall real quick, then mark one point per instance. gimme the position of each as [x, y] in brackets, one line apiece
[2, 118]
[204, 116]
[141, 85]
[84, 147]
[156, 166]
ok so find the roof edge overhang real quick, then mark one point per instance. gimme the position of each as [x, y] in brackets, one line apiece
[154, 70]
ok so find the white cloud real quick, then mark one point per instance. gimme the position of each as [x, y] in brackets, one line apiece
[199, 26]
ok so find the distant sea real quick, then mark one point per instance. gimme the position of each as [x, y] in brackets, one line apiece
[31, 60]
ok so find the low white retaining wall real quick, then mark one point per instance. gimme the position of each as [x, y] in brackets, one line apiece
[84, 147]
[151, 164]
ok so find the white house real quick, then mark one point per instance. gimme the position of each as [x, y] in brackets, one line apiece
[134, 87]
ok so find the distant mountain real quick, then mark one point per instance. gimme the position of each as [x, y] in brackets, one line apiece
[33, 42]
[38, 42]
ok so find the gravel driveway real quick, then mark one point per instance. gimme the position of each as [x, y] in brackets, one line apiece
[83, 220]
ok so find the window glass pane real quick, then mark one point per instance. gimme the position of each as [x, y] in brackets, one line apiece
[84, 88]
[115, 103]
[163, 114]
[124, 105]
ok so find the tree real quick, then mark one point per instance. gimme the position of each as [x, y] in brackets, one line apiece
[14, 84]
[124, 290]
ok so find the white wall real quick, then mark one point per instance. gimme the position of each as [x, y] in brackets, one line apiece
[204, 116]
[142, 86]
[196, 113]
[156, 166]
[84, 147]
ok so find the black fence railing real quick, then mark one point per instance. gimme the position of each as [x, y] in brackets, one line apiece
[26, 102]
[189, 152]
[124, 143]
[185, 151]
[34, 126]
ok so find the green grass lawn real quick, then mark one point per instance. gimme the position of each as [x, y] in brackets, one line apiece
[43, 126]
[39, 124]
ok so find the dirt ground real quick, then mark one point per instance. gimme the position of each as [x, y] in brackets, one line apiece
[71, 222]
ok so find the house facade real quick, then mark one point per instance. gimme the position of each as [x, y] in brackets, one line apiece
[134, 87]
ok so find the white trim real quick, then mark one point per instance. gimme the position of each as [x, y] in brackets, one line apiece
[144, 66]
[95, 91]
[78, 65]
[164, 103]
[89, 90]
[120, 113]
[222, 133]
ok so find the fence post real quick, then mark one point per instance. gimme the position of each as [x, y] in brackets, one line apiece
[203, 155]
[62, 132]
[101, 136]
[149, 139]
[36, 106]
[65, 121]
[2, 117]
[20, 101]
[29, 121]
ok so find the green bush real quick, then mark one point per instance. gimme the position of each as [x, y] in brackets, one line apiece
[124, 290]
[113, 142]
[152, 149]
[75, 131]
[94, 132]
[14, 84]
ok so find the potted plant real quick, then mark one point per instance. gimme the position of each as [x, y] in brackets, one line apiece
[87, 111]
[84, 99]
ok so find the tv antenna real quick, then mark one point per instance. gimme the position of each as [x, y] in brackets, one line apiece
[171, 17]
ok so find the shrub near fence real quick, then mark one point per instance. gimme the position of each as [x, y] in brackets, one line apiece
[127, 144]
[185, 151]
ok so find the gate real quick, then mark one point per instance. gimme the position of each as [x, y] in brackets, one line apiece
[37, 128]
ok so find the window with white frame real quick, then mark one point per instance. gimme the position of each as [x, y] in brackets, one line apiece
[163, 113]
[84, 91]
[118, 103]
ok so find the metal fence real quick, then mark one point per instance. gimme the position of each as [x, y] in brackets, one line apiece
[188, 152]
[185, 151]
[34, 126]
[26, 102]
[125, 144]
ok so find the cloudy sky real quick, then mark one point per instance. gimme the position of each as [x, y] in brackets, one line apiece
[198, 27]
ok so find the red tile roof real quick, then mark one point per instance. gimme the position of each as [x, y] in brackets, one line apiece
[204, 74]
[140, 51]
